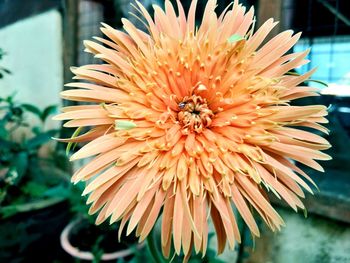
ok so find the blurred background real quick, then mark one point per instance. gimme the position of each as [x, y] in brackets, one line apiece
[44, 219]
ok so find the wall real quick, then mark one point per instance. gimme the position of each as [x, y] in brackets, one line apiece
[34, 55]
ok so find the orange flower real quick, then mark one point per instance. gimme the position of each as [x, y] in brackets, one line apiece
[193, 122]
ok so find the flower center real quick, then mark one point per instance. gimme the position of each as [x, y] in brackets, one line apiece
[194, 114]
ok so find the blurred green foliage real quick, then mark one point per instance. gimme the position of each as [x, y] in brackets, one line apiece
[33, 179]
[28, 180]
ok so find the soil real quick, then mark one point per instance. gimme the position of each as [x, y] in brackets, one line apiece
[85, 236]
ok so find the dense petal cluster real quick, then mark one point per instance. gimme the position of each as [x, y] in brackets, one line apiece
[193, 122]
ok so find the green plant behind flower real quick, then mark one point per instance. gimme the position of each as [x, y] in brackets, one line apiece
[28, 180]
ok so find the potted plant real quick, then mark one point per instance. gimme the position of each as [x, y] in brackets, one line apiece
[83, 240]
[33, 183]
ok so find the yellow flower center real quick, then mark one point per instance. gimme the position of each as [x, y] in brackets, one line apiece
[194, 114]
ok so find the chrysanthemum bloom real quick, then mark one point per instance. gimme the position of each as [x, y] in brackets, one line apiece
[193, 122]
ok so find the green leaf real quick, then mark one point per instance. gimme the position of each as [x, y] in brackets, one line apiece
[4, 133]
[70, 144]
[7, 145]
[17, 168]
[40, 139]
[36, 130]
[5, 70]
[97, 251]
[49, 111]
[124, 125]
[235, 38]
[31, 108]
[34, 189]
[8, 211]
[2, 53]
[10, 98]
[59, 190]
[20, 162]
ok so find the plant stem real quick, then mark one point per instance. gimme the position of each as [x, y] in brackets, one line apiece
[153, 249]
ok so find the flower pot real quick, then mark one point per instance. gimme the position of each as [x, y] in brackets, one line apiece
[77, 253]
